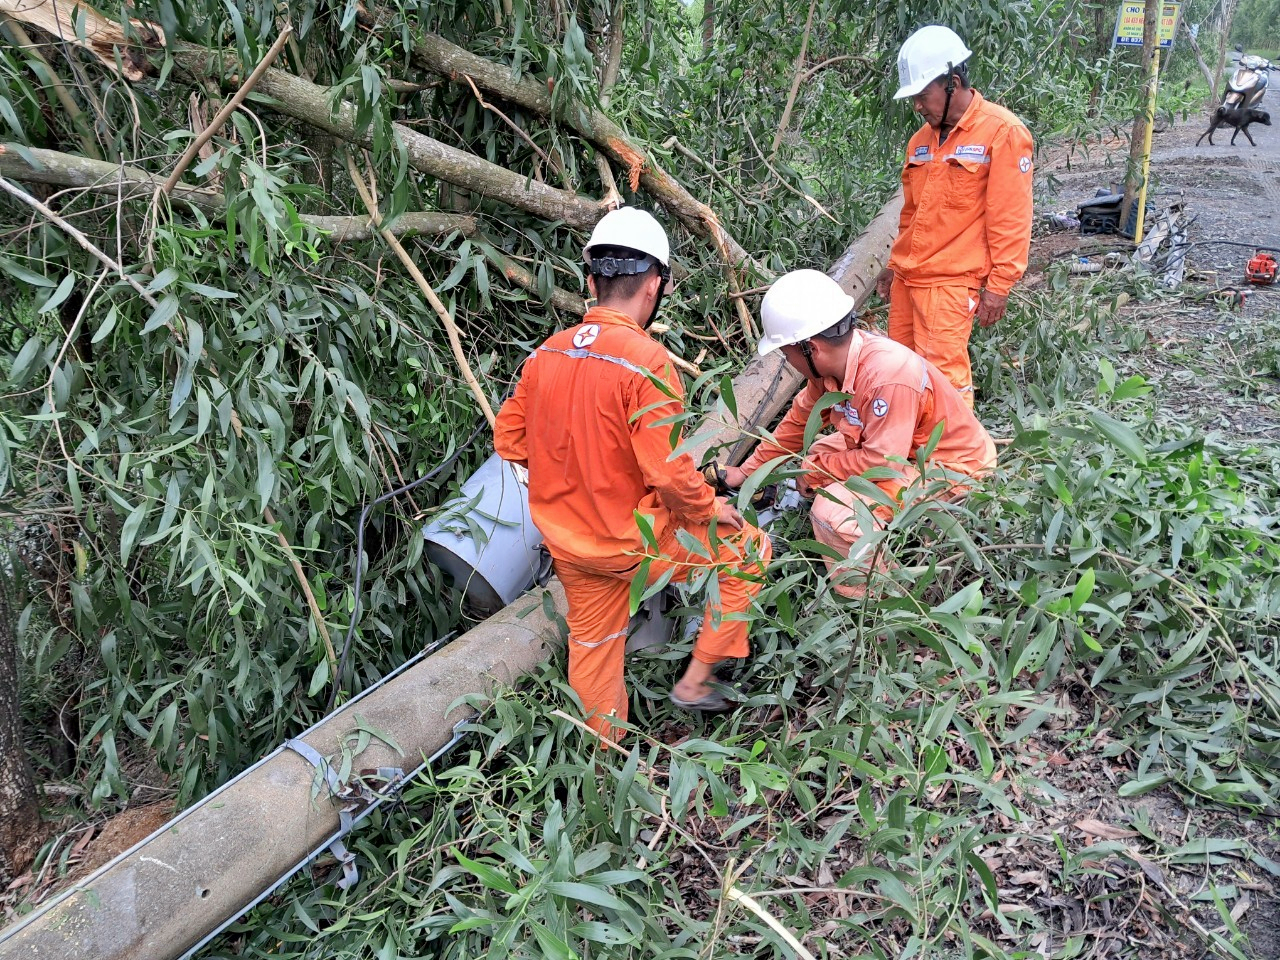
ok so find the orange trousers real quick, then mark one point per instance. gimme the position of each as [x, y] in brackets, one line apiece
[936, 322]
[599, 594]
[834, 516]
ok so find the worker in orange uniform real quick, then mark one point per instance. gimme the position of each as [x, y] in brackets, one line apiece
[965, 229]
[590, 420]
[896, 400]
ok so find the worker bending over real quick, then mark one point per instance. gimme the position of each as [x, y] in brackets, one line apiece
[965, 229]
[590, 419]
[897, 400]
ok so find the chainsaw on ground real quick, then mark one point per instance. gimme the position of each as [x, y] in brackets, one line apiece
[1261, 269]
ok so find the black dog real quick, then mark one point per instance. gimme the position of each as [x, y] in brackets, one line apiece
[1237, 117]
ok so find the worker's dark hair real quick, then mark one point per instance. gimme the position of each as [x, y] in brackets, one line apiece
[622, 286]
[839, 332]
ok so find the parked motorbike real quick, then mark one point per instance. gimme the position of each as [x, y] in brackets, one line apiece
[1248, 83]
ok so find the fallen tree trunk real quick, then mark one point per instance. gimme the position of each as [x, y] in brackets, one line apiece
[312, 104]
[97, 176]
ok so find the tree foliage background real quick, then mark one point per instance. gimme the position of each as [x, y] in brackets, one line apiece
[163, 455]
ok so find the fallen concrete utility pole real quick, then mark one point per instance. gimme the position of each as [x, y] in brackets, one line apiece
[166, 894]
[205, 867]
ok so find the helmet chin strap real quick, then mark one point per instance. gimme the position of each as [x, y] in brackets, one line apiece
[946, 109]
[807, 352]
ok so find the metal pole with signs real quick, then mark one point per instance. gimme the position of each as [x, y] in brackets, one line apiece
[1129, 22]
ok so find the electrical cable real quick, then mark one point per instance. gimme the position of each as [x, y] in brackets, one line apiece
[359, 561]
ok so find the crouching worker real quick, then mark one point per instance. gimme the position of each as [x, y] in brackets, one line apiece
[590, 420]
[897, 400]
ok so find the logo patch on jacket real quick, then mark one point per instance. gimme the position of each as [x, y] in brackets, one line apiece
[921, 154]
[880, 406]
[972, 150]
[586, 335]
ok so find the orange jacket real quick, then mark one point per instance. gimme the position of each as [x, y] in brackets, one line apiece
[898, 398]
[585, 420]
[966, 211]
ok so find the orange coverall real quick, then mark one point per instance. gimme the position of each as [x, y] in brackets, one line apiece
[965, 225]
[586, 420]
[898, 398]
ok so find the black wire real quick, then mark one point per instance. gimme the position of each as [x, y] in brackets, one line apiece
[359, 577]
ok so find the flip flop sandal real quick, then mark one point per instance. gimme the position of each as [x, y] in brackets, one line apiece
[713, 702]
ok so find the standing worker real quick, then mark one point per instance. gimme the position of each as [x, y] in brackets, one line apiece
[896, 401]
[965, 229]
[590, 420]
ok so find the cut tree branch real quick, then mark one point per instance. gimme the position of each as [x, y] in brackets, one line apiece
[130, 183]
[434, 53]
[305, 101]
[313, 104]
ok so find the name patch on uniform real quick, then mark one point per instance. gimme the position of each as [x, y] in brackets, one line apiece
[922, 153]
[972, 150]
[850, 413]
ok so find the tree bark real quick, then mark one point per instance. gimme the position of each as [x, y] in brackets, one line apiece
[1204, 67]
[19, 805]
[708, 25]
[99, 176]
[1137, 139]
[1228, 15]
[312, 104]
[438, 55]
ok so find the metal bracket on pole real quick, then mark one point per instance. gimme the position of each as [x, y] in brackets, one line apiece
[350, 873]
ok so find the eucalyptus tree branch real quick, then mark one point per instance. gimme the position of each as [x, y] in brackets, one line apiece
[74, 113]
[98, 176]
[84, 242]
[313, 104]
[608, 77]
[316, 616]
[822, 65]
[796, 80]
[799, 193]
[451, 328]
[225, 113]
[434, 53]
[555, 164]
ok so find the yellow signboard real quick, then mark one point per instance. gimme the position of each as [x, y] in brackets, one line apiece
[1129, 24]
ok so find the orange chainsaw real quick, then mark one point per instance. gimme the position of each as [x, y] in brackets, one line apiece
[1261, 269]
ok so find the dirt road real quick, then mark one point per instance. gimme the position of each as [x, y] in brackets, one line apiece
[1217, 366]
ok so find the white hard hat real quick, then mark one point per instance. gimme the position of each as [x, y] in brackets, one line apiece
[928, 54]
[801, 305]
[636, 230]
